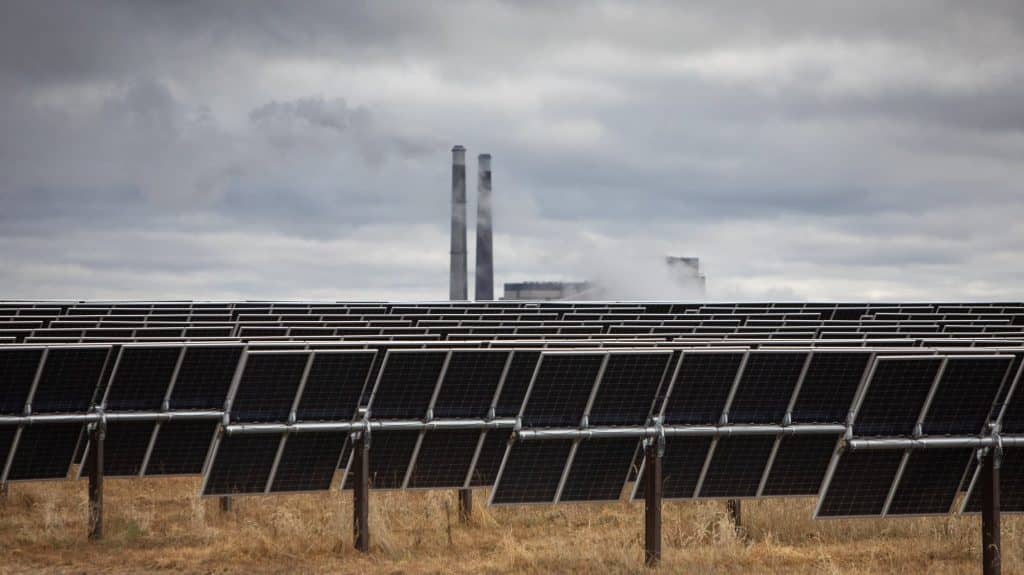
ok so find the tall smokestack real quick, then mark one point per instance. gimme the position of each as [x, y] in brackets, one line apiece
[457, 282]
[484, 246]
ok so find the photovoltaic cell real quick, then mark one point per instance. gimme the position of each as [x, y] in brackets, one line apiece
[895, 395]
[599, 470]
[860, 483]
[124, 448]
[930, 481]
[561, 389]
[444, 458]
[766, 387]
[308, 462]
[205, 377]
[18, 369]
[141, 378]
[181, 447]
[334, 385]
[520, 372]
[966, 393]
[737, 465]
[390, 456]
[1011, 484]
[241, 464]
[628, 388]
[1013, 414]
[701, 388]
[800, 465]
[680, 467]
[532, 472]
[69, 379]
[470, 383]
[489, 461]
[406, 384]
[829, 386]
[268, 386]
[44, 451]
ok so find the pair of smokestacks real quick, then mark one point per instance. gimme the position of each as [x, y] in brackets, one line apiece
[458, 282]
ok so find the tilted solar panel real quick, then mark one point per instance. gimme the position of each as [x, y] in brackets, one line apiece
[488, 460]
[766, 386]
[561, 389]
[929, 482]
[470, 383]
[308, 462]
[895, 395]
[965, 395]
[334, 385]
[531, 472]
[44, 452]
[444, 458]
[141, 377]
[829, 386]
[599, 470]
[628, 387]
[701, 387]
[205, 376]
[268, 385]
[18, 370]
[736, 467]
[799, 465]
[181, 447]
[69, 380]
[859, 484]
[406, 384]
[682, 465]
[124, 448]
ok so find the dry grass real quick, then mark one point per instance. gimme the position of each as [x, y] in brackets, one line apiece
[160, 525]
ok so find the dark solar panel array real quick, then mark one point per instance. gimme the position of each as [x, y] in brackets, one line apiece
[628, 387]
[766, 386]
[701, 388]
[561, 388]
[895, 395]
[406, 384]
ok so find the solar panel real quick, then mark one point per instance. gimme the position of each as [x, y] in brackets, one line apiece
[764, 391]
[181, 447]
[69, 379]
[390, 455]
[799, 465]
[561, 389]
[829, 386]
[701, 387]
[269, 383]
[308, 462]
[1011, 484]
[488, 461]
[517, 381]
[965, 394]
[406, 384]
[470, 383]
[141, 377]
[443, 458]
[736, 466]
[681, 467]
[124, 448]
[895, 395]
[859, 484]
[241, 464]
[205, 376]
[334, 385]
[629, 384]
[599, 470]
[44, 452]
[18, 369]
[930, 482]
[531, 472]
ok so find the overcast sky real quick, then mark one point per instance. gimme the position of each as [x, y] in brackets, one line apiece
[265, 149]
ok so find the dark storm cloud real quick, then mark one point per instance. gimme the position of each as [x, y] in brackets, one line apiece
[268, 149]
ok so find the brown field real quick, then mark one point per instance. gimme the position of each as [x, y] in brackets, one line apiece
[160, 525]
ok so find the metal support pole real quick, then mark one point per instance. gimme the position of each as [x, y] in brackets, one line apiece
[735, 513]
[361, 494]
[226, 504]
[991, 552]
[465, 505]
[652, 503]
[97, 435]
